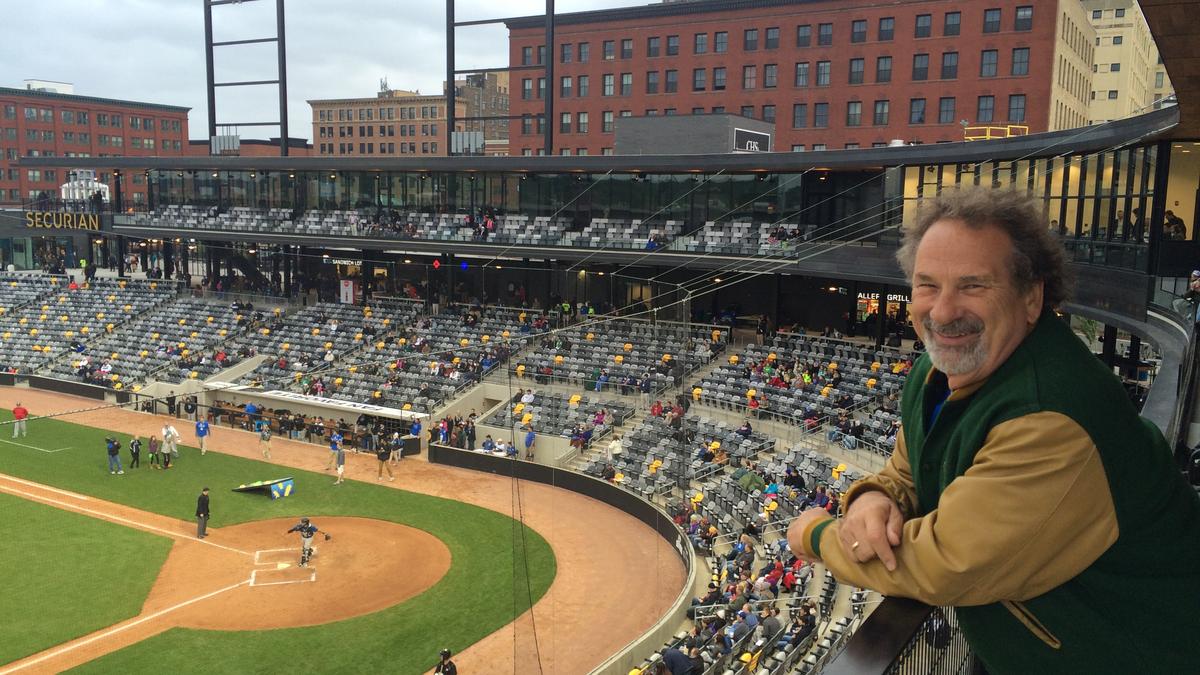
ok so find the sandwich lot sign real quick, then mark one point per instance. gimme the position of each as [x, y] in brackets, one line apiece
[745, 140]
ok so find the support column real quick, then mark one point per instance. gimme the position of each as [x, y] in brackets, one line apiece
[1108, 346]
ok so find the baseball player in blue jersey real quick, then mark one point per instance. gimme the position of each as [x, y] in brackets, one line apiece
[202, 435]
[307, 531]
[335, 447]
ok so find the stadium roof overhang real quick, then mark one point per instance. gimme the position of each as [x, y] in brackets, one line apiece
[1175, 25]
[1149, 126]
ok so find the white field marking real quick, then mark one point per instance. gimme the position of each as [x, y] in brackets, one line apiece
[257, 561]
[255, 583]
[121, 627]
[118, 519]
[39, 486]
[33, 447]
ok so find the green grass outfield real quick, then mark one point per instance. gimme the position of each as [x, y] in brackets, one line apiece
[48, 553]
[478, 595]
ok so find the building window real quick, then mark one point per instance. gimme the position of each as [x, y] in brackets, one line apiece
[672, 45]
[627, 49]
[858, 31]
[986, 109]
[952, 24]
[527, 56]
[988, 60]
[652, 82]
[1016, 108]
[883, 69]
[1096, 14]
[700, 43]
[799, 115]
[817, 147]
[852, 146]
[1113, 93]
[946, 110]
[1159, 79]
[566, 52]
[916, 111]
[581, 122]
[10, 112]
[541, 58]
[718, 110]
[924, 26]
[770, 76]
[749, 77]
[768, 113]
[949, 65]
[718, 79]
[652, 46]
[1115, 68]
[699, 79]
[920, 67]
[882, 109]
[1117, 39]
[585, 52]
[991, 20]
[526, 89]
[854, 114]
[799, 147]
[747, 112]
[1024, 20]
[804, 35]
[609, 49]
[672, 82]
[772, 38]
[822, 73]
[566, 86]
[1020, 61]
[626, 84]
[887, 28]
[802, 74]
[750, 39]
[608, 82]
[698, 111]
[856, 71]
[1119, 13]
[821, 115]
[541, 92]
[606, 121]
[720, 42]
[584, 81]
[564, 123]
[824, 34]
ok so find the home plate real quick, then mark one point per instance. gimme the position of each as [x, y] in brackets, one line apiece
[282, 566]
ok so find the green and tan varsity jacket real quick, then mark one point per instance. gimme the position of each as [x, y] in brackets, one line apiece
[1044, 509]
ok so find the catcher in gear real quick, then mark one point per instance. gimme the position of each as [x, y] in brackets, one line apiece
[307, 531]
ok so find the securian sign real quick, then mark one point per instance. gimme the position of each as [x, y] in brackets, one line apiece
[62, 221]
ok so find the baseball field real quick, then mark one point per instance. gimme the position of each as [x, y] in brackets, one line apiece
[104, 573]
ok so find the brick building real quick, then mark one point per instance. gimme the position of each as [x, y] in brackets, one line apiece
[41, 122]
[393, 123]
[485, 95]
[255, 147]
[831, 74]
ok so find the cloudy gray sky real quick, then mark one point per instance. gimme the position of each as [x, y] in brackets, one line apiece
[153, 50]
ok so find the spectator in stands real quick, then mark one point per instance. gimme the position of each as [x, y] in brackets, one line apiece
[488, 444]
[530, 441]
[613, 451]
[656, 410]
[609, 473]
[840, 429]
[676, 661]
[745, 430]
[527, 397]
[769, 622]
[853, 434]
[1092, 517]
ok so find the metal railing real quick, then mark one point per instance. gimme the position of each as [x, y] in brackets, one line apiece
[906, 637]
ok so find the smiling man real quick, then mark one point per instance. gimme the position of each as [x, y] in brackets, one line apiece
[1024, 488]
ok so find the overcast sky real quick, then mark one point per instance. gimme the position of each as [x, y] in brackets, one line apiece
[153, 50]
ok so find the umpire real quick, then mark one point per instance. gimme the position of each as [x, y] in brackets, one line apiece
[445, 666]
[202, 514]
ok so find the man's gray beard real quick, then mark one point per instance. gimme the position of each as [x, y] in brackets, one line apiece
[957, 360]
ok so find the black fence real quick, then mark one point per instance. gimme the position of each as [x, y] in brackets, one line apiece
[585, 485]
[66, 387]
[906, 637]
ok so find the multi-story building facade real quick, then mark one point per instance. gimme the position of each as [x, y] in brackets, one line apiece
[830, 74]
[39, 122]
[1128, 74]
[485, 101]
[392, 123]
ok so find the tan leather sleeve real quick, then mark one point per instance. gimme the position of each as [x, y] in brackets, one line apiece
[895, 480]
[1032, 512]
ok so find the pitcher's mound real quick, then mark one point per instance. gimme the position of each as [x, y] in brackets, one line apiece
[369, 565]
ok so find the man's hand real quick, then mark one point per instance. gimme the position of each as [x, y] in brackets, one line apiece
[871, 528]
[795, 533]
